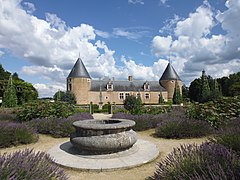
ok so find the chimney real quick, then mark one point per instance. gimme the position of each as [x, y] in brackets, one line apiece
[130, 78]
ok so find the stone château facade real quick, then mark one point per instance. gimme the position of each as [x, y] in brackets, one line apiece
[100, 92]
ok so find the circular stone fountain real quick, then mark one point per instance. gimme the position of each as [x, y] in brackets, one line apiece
[104, 145]
[103, 136]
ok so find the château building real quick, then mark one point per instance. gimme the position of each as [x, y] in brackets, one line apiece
[87, 90]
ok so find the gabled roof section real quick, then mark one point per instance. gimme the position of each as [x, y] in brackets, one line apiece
[170, 73]
[79, 70]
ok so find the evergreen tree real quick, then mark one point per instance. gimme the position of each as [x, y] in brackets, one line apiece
[10, 95]
[177, 98]
[215, 91]
[205, 89]
[160, 99]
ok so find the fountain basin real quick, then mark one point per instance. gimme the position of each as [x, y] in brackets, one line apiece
[103, 136]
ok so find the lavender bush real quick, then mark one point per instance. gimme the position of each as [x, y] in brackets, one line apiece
[7, 114]
[28, 164]
[143, 122]
[182, 128]
[15, 133]
[229, 136]
[57, 127]
[207, 161]
[148, 121]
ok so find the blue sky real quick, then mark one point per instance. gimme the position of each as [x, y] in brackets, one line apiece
[41, 40]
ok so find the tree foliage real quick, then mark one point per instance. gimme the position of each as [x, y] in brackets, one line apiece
[230, 86]
[10, 96]
[204, 89]
[133, 104]
[177, 97]
[160, 99]
[24, 90]
[65, 97]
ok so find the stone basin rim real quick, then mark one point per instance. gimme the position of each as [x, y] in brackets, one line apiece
[93, 124]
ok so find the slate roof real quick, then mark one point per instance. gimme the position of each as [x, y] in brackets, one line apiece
[79, 70]
[170, 73]
[118, 85]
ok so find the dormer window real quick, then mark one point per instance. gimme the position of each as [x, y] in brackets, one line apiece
[109, 86]
[146, 86]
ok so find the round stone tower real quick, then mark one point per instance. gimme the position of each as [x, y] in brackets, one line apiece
[79, 82]
[169, 80]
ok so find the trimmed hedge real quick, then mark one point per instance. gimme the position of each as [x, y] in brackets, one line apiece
[28, 164]
[15, 134]
[57, 127]
[207, 161]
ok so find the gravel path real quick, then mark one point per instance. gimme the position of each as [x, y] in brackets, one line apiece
[138, 173]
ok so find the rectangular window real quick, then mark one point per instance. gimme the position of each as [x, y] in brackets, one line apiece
[69, 87]
[147, 96]
[121, 96]
[126, 95]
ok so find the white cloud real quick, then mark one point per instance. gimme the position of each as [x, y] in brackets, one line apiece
[163, 1]
[132, 33]
[136, 2]
[161, 45]
[198, 24]
[30, 8]
[193, 48]
[48, 90]
[169, 25]
[102, 33]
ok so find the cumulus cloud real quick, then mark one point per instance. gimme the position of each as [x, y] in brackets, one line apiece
[47, 90]
[198, 24]
[194, 48]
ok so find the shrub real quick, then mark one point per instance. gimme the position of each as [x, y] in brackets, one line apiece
[43, 109]
[57, 127]
[207, 161]
[218, 112]
[229, 136]
[133, 104]
[143, 122]
[7, 114]
[27, 164]
[148, 121]
[15, 133]
[182, 128]
[156, 109]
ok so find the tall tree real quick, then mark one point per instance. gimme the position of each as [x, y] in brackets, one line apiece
[160, 98]
[205, 89]
[177, 98]
[10, 96]
[195, 90]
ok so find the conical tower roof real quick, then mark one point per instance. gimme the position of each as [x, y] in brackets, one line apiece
[170, 74]
[79, 70]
